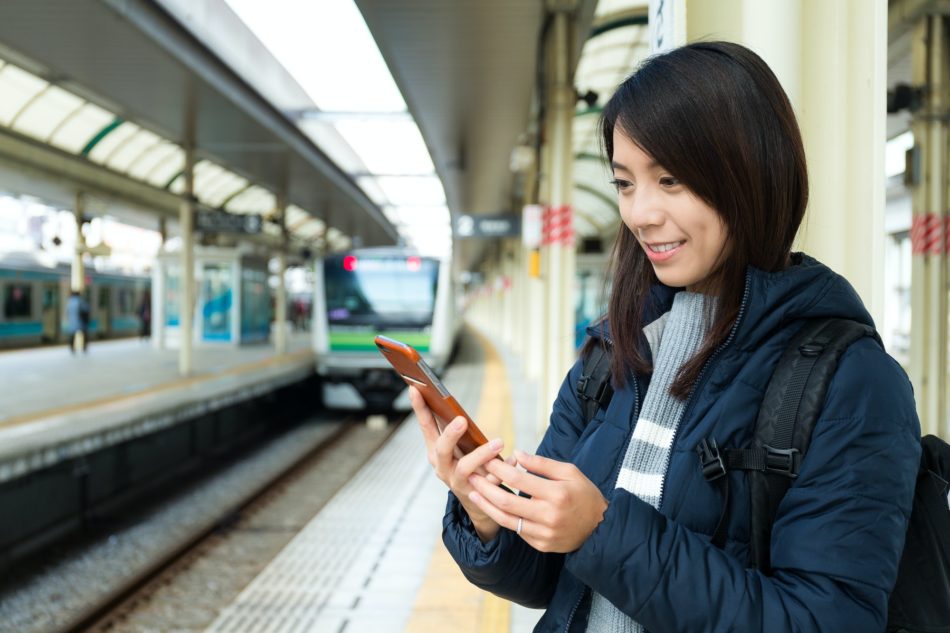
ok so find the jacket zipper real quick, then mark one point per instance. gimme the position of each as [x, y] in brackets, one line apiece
[577, 605]
[636, 412]
[732, 335]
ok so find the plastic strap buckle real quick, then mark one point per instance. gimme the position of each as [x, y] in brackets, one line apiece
[783, 461]
[713, 465]
[582, 383]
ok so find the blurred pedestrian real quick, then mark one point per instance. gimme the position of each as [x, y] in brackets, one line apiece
[145, 316]
[77, 322]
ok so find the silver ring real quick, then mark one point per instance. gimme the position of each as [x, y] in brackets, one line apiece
[520, 525]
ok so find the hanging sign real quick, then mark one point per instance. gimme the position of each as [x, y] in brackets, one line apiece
[531, 225]
[468, 226]
[214, 221]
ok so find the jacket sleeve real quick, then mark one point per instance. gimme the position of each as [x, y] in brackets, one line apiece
[836, 541]
[506, 565]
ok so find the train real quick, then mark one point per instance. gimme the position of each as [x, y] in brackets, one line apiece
[393, 291]
[34, 293]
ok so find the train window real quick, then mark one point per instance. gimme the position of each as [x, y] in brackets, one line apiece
[381, 291]
[125, 301]
[17, 301]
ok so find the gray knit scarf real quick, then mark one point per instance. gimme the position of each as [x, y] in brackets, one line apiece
[678, 334]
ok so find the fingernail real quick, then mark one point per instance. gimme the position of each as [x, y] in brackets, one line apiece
[496, 444]
[520, 455]
[473, 496]
[457, 425]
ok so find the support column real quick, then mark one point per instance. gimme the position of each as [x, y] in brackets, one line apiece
[831, 58]
[78, 272]
[280, 309]
[186, 223]
[159, 274]
[559, 343]
[929, 232]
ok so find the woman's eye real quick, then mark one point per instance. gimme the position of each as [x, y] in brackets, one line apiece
[621, 185]
[669, 181]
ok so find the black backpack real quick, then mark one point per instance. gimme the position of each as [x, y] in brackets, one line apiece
[920, 602]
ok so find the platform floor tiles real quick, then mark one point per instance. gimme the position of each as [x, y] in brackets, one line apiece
[373, 559]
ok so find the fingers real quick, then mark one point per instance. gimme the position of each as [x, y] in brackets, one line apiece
[430, 432]
[505, 501]
[492, 479]
[546, 467]
[526, 482]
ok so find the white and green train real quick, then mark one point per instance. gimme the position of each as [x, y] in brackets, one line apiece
[390, 291]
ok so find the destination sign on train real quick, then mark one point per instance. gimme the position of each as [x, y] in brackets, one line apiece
[214, 221]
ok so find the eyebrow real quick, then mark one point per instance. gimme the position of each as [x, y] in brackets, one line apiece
[650, 165]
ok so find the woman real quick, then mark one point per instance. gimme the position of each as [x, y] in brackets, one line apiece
[710, 171]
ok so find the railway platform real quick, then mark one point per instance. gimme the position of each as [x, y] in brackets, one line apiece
[373, 558]
[58, 407]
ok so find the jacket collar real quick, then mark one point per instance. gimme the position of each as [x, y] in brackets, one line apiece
[806, 289]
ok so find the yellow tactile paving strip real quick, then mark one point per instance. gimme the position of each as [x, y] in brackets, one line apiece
[446, 601]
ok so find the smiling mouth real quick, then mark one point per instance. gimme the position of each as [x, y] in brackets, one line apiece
[665, 247]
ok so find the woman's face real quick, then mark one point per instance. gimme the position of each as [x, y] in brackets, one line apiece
[683, 237]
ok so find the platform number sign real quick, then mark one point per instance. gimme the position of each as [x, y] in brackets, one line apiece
[487, 226]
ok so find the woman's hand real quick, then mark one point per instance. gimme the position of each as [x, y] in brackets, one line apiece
[564, 508]
[453, 470]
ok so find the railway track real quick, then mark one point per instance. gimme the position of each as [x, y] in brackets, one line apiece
[175, 567]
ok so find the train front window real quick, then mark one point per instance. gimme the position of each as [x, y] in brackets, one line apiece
[390, 292]
[17, 301]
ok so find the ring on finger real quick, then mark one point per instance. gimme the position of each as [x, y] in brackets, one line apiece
[520, 525]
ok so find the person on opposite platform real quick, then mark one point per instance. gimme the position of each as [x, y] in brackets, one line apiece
[77, 321]
[612, 530]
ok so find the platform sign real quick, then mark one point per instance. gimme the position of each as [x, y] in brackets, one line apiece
[214, 221]
[487, 226]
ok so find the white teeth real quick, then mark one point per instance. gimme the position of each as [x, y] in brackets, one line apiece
[663, 248]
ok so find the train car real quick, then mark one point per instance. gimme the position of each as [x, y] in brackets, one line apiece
[34, 293]
[390, 291]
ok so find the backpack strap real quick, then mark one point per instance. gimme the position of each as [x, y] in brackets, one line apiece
[593, 387]
[793, 400]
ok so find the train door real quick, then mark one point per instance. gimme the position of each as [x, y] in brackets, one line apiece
[103, 320]
[49, 310]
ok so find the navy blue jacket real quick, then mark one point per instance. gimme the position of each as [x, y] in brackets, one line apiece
[839, 531]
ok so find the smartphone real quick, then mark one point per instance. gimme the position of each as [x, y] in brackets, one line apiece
[409, 364]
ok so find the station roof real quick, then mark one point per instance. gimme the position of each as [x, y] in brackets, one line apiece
[97, 95]
[467, 71]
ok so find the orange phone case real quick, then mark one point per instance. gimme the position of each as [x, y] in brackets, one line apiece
[409, 364]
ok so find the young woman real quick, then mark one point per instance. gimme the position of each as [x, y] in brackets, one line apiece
[614, 533]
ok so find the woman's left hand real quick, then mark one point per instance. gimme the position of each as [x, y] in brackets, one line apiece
[564, 508]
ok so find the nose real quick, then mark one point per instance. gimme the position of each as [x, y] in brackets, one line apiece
[642, 210]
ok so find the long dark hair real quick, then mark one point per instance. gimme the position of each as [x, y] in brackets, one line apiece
[714, 115]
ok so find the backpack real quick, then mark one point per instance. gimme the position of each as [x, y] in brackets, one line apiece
[920, 601]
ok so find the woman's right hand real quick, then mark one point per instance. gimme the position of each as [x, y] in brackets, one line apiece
[452, 470]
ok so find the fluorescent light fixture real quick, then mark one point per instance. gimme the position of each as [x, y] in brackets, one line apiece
[362, 122]
[388, 147]
[310, 38]
[413, 191]
[436, 214]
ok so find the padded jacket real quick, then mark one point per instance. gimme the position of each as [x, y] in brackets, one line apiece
[838, 532]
